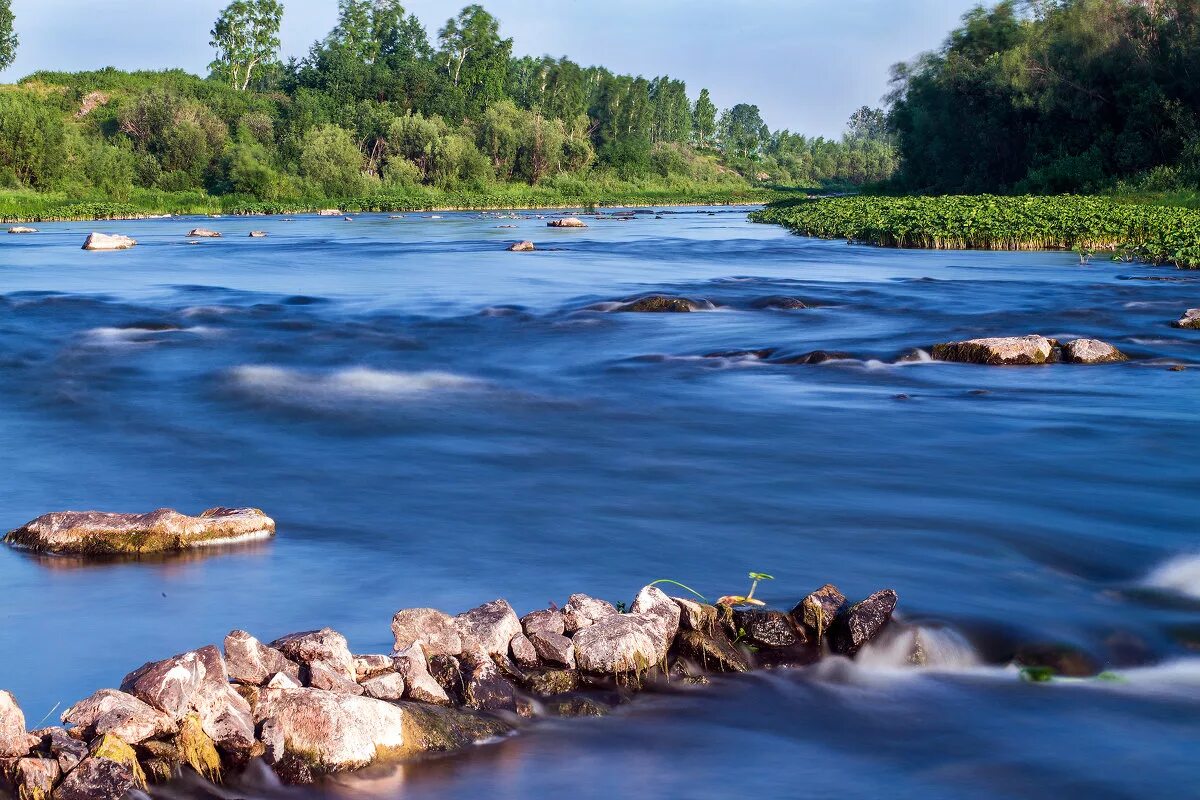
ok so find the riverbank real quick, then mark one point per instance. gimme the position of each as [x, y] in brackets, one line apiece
[1091, 226]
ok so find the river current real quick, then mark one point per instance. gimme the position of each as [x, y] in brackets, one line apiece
[433, 421]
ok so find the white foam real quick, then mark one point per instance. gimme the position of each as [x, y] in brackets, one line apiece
[920, 647]
[1180, 575]
[350, 384]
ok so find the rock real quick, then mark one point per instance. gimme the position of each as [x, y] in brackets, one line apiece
[658, 304]
[66, 749]
[1190, 319]
[121, 714]
[521, 247]
[862, 622]
[251, 662]
[553, 648]
[1091, 351]
[103, 241]
[329, 212]
[331, 732]
[997, 351]
[582, 611]
[412, 666]
[258, 234]
[577, 706]
[435, 630]
[439, 730]
[14, 740]
[369, 666]
[547, 621]
[634, 642]
[818, 611]
[204, 233]
[553, 682]
[766, 629]
[447, 671]
[111, 770]
[388, 686]
[523, 652]
[484, 688]
[696, 616]
[330, 678]
[567, 222]
[326, 646]
[652, 602]
[711, 652]
[282, 680]
[100, 533]
[1060, 659]
[22, 229]
[197, 749]
[779, 302]
[814, 357]
[489, 627]
[34, 778]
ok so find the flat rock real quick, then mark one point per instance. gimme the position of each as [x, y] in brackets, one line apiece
[522, 247]
[326, 646]
[1190, 319]
[330, 732]
[659, 304]
[818, 611]
[1091, 351]
[22, 229]
[582, 611]
[388, 686]
[103, 533]
[436, 631]
[104, 241]
[862, 622]
[490, 627]
[1004, 351]
[204, 233]
[554, 649]
[251, 662]
[547, 620]
[567, 222]
[14, 740]
[712, 652]
[121, 714]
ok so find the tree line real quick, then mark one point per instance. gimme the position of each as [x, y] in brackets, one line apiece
[378, 105]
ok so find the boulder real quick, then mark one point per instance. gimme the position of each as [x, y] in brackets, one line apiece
[121, 714]
[696, 616]
[34, 778]
[862, 622]
[484, 688]
[1091, 351]
[22, 229]
[447, 671]
[66, 749]
[634, 642]
[330, 732]
[204, 233]
[582, 611]
[324, 676]
[388, 686]
[1190, 319]
[101, 533]
[281, 680]
[523, 652]
[432, 729]
[371, 665]
[553, 649]
[521, 247]
[15, 741]
[712, 652]
[413, 668]
[104, 241]
[251, 662]
[490, 627]
[653, 602]
[567, 222]
[329, 212]
[766, 629]
[436, 631]
[258, 234]
[548, 620]
[111, 770]
[997, 351]
[326, 646]
[818, 611]
[659, 304]
[552, 682]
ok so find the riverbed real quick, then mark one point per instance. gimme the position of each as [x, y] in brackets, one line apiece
[434, 421]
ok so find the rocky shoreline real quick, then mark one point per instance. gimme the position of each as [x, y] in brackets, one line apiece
[307, 706]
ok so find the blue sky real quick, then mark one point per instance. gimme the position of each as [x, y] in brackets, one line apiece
[806, 63]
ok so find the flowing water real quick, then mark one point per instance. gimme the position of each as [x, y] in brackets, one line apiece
[436, 422]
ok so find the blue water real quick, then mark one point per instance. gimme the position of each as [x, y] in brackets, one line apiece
[436, 422]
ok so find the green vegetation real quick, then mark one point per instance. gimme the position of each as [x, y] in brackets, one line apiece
[379, 117]
[1157, 234]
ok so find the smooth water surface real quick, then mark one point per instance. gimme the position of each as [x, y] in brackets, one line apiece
[436, 422]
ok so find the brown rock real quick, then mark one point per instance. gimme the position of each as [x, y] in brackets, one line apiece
[548, 620]
[1190, 319]
[326, 646]
[658, 304]
[712, 652]
[324, 676]
[1091, 351]
[387, 686]
[998, 351]
[521, 247]
[331, 732]
[371, 665]
[582, 611]
[34, 778]
[100, 533]
[818, 611]
[435, 630]
[14, 740]
[250, 661]
[413, 667]
[553, 648]
[862, 622]
[523, 652]
[121, 714]
[110, 771]
[490, 627]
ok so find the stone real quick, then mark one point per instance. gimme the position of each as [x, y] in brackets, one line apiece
[435, 630]
[484, 688]
[121, 714]
[101, 533]
[815, 357]
[567, 222]
[330, 732]
[652, 602]
[197, 749]
[552, 682]
[22, 229]
[371, 665]
[577, 706]
[1011, 350]
[326, 646]
[330, 678]
[111, 770]
[553, 648]
[204, 233]
[521, 247]
[818, 611]
[251, 662]
[582, 611]
[1190, 319]
[387, 686]
[104, 241]
[413, 667]
[523, 652]
[329, 212]
[258, 234]
[659, 304]
[15, 741]
[34, 778]
[862, 622]
[779, 302]
[548, 620]
[629, 643]
[447, 671]
[696, 616]
[712, 652]
[1091, 351]
[433, 729]
[766, 629]
[66, 749]
[490, 627]
[282, 680]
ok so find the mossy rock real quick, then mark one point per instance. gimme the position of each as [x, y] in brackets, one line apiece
[438, 729]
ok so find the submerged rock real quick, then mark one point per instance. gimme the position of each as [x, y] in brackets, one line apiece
[522, 247]
[203, 233]
[22, 229]
[862, 622]
[1091, 351]
[1190, 319]
[104, 241]
[1011, 350]
[814, 357]
[567, 222]
[1060, 659]
[102, 533]
[659, 304]
[779, 303]
[258, 234]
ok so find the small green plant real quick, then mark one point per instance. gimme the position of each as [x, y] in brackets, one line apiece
[681, 586]
[748, 598]
[1037, 674]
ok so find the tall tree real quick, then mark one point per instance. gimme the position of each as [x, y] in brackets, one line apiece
[8, 39]
[704, 119]
[245, 36]
[743, 130]
[867, 123]
[475, 57]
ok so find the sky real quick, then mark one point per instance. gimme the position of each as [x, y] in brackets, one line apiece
[807, 64]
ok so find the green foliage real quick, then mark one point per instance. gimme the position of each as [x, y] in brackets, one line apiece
[704, 119]
[742, 130]
[33, 142]
[331, 161]
[1156, 234]
[245, 36]
[8, 38]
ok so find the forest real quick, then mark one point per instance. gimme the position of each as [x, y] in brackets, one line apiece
[379, 111]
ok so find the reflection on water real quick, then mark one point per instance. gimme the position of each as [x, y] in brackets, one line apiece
[433, 421]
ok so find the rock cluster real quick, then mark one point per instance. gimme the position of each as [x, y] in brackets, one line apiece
[308, 706]
[97, 533]
[1025, 350]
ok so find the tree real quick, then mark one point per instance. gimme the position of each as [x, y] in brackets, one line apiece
[332, 162]
[743, 130]
[475, 57]
[704, 119]
[8, 39]
[245, 36]
[868, 123]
